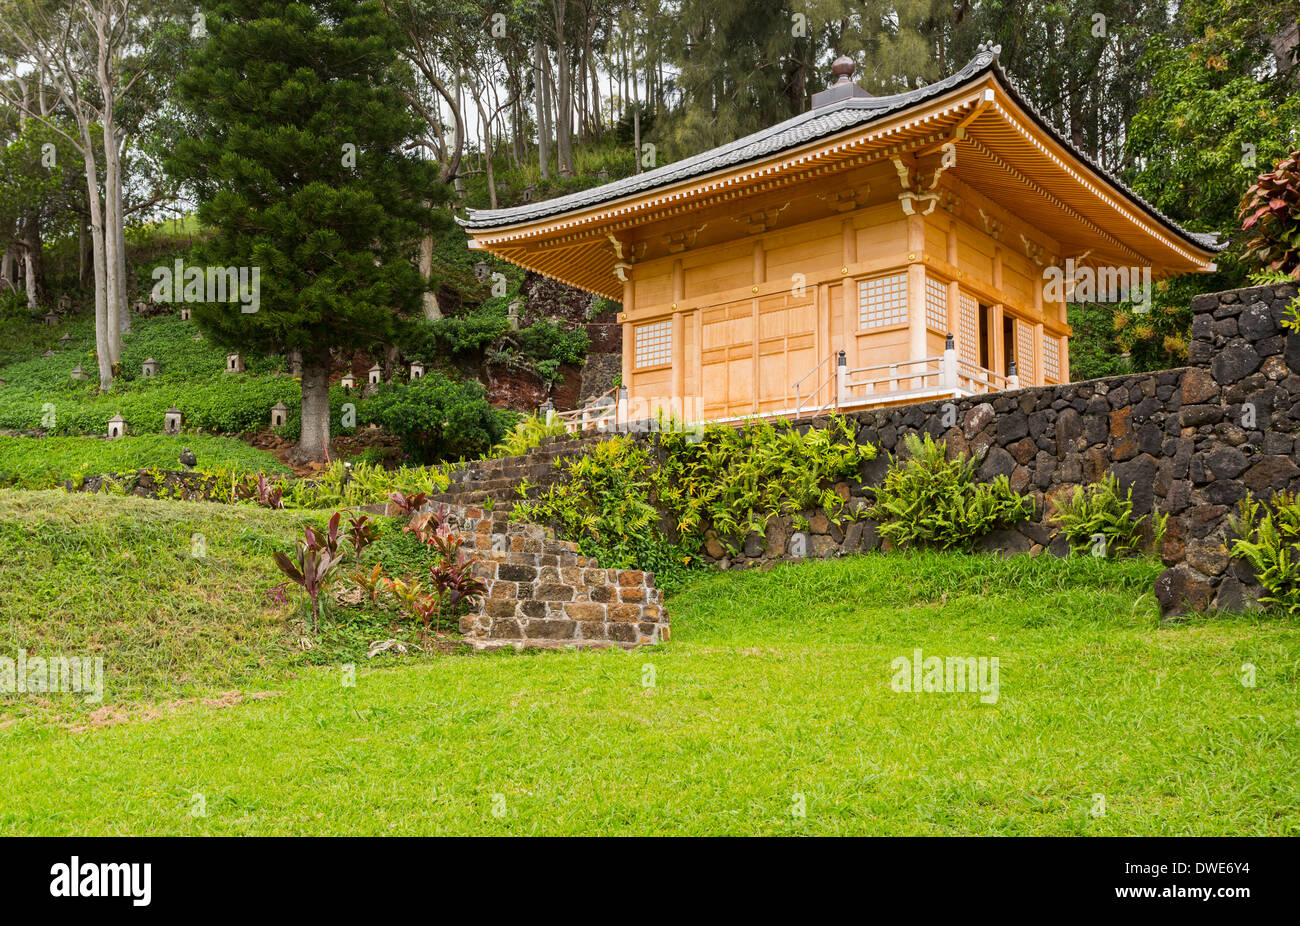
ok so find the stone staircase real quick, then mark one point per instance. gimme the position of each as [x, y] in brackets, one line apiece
[494, 484]
[541, 592]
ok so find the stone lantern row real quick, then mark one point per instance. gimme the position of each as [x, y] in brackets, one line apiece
[173, 418]
[375, 375]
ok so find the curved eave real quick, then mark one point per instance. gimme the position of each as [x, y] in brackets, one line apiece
[575, 246]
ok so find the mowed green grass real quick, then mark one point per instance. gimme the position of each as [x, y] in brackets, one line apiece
[769, 712]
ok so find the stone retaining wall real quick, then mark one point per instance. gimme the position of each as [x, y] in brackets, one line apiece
[1189, 442]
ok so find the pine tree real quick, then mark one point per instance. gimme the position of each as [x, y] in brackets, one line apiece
[298, 159]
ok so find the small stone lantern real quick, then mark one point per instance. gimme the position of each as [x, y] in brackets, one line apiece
[279, 414]
[48, 354]
[198, 336]
[185, 313]
[149, 367]
[78, 372]
[348, 381]
[234, 363]
[141, 307]
[512, 313]
[51, 319]
[482, 271]
[417, 370]
[65, 302]
[172, 421]
[65, 340]
[116, 427]
[374, 375]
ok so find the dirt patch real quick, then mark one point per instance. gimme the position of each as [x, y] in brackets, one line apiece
[115, 715]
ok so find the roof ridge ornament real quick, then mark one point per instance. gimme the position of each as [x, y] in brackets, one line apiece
[987, 51]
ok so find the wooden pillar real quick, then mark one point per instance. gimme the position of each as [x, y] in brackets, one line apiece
[697, 356]
[915, 291]
[848, 295]
[1037, 379]
[629, 379]
[679, 336]
[824, 346]
[996, 316]
[954, 288]
[1065, 358]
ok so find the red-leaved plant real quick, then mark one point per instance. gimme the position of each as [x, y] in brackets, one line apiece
[312, 566]
[1271, 207]
[408, 504]
[266, 493]
[451, 571]
[361, 533]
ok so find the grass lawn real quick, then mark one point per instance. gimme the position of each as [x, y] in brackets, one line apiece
[773, 695]
[44, 462]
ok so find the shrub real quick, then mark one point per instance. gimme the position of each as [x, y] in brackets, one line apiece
[603, 502]
[547, 340]
[437, 418]
[615, 500]
[529, 431]
[735, 479]
[932, 501]
[1271, 208]
[1100, 511]
[1268, 540]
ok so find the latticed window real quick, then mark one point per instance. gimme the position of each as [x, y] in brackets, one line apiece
[1024, 350]
[936, 304]
[1051, 359]
[968, 338]
[882, 301]
[653, 344]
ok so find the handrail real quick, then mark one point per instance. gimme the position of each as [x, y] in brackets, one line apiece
[897, 363]
[798, 402]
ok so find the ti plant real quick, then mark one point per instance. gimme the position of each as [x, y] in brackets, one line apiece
[408, 593]
[1271, 209]
[408, 504]
[361, 533]
[315, 559]
[264, 492]
[451, 571]
[312, 566]
[369, 582]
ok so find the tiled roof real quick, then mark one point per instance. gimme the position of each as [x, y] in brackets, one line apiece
[815, 124]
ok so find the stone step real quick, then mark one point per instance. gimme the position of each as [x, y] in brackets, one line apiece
[541, 591]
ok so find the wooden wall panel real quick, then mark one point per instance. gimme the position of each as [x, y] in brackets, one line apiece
[654, 287]
[718, 269]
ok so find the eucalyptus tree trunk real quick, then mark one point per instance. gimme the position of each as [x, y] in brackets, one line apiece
[102, 346]
[563, 94]
[543, 122]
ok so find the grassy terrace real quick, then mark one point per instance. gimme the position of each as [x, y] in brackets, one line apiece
[775, 684]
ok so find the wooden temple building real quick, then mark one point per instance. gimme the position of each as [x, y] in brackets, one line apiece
[872, 250]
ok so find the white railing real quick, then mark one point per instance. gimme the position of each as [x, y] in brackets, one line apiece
[828, 365]
[975, 378]
[943, 375]
[591, 416]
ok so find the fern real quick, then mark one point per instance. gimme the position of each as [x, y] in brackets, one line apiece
[932, 501]
[1268, 540]
[1100, 510]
